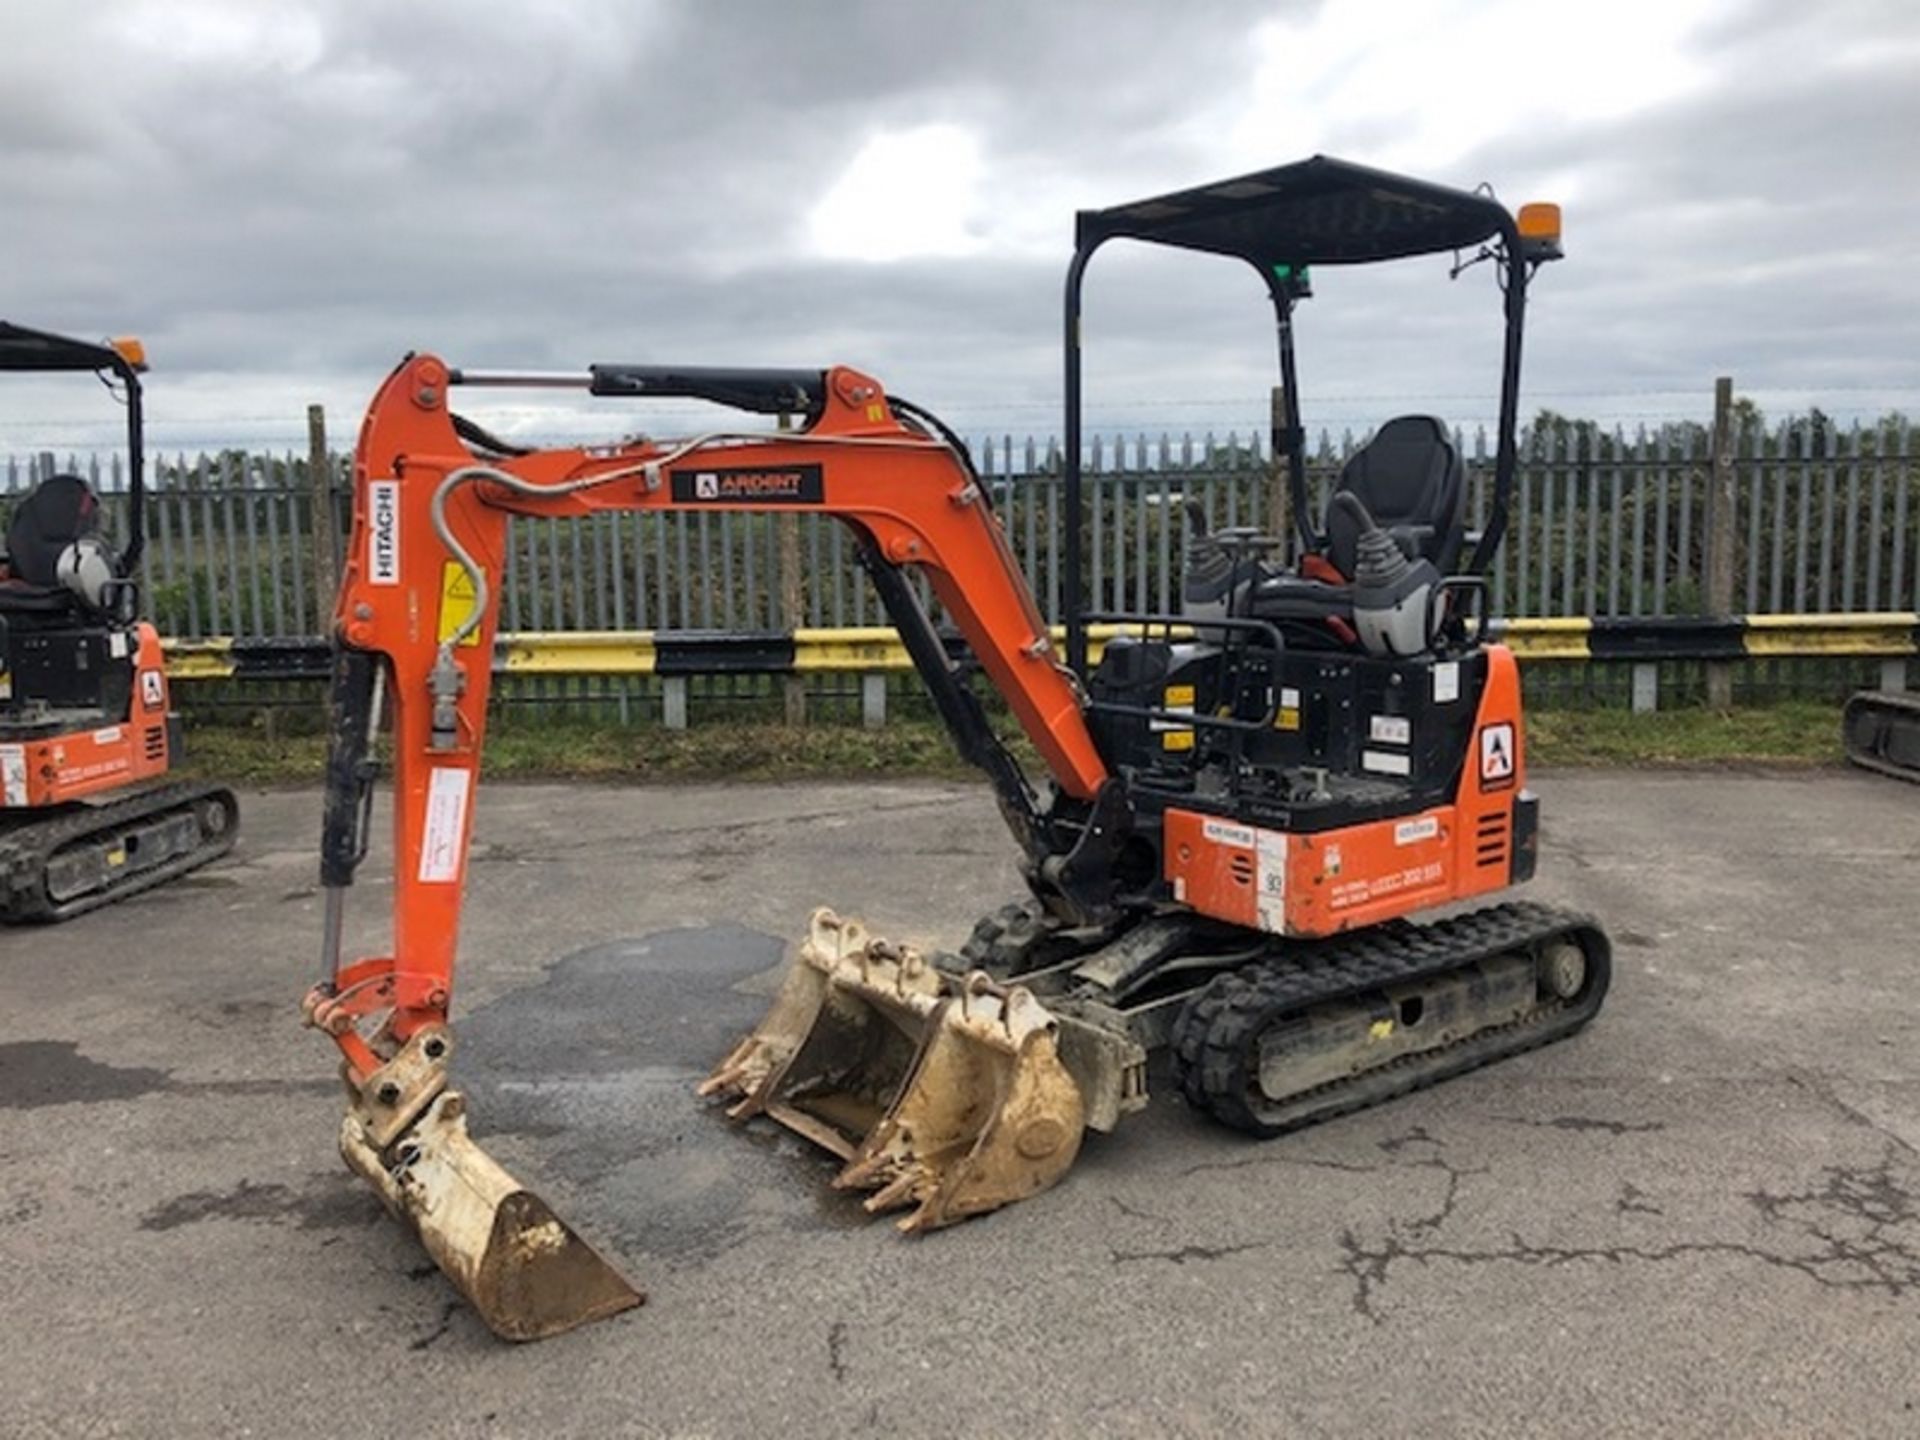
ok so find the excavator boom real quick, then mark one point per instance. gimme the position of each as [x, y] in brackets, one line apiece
[416, 620]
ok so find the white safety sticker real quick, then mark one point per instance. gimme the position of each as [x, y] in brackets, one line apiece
[383, 532]
[440, 847]
[109, 735]
[1496, 753]
[1446, 682]
[117, 644]
[1411, 832]
[13, 774]
[1390, 729]
[152, 689]
[1385, 762]
[1270, 860]
[1222, 833]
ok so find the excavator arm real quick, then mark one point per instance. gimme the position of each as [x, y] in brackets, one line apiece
[415, 623]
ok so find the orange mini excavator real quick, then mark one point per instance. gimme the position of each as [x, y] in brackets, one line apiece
[1244, 802]
[87, 737]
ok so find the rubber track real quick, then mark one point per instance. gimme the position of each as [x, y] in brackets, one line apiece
[1216, 1039]
[1896, 708]
[25, 850]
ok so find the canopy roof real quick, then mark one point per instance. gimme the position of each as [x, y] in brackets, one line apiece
[1314, 212]
[24, 349]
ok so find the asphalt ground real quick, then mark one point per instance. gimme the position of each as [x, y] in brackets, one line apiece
[1697, 1217]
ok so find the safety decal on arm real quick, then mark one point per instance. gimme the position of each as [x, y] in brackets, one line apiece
[446, 826]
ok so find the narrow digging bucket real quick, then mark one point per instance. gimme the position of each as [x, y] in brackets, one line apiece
[944, 1096]
[520, 1266]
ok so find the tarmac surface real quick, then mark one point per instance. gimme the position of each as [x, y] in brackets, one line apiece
[1700, 1216]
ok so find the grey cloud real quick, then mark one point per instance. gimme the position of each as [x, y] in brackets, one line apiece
[546, 185]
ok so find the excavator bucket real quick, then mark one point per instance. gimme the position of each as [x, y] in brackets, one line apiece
[522, 1267]
[945, 1097]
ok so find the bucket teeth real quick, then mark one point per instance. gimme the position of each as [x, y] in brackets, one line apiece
[946, 1096]
[526, 1272]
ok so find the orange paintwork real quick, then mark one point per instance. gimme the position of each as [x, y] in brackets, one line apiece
[905, 490]
[1315, 885]
[89, 762]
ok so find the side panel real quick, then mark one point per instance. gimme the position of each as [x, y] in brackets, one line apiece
[1494, 777]
[1311, 885]
[86, 763]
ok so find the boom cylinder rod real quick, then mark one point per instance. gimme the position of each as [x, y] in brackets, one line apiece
[528, 379]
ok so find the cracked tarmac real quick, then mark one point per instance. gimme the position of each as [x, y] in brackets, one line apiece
[1702, 1216]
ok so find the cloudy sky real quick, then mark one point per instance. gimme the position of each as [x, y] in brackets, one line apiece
[282, 198]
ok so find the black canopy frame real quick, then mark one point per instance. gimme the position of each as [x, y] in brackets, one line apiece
[27, 351]
[1281, 221]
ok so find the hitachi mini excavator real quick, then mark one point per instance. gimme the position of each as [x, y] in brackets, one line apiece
[1244, 802]
[86, 733]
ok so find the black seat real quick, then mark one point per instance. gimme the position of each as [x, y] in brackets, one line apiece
[1410, 479]
[58, 511]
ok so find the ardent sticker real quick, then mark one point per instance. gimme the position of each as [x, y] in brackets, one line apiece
[1410, 832]
[750, 484]
[1385, 762]
[1390, 729]
[13, 774]
[1223, 833]
[440, 847]
[383, 532]
[152, 689]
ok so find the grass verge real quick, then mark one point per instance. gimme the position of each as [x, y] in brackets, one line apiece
[1796, 733]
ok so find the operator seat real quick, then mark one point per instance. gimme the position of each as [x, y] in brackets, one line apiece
[58, 511]
[1410, 479]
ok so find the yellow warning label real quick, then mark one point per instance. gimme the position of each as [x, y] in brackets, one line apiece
[1176, 740]
[1287, 717]
[1178, 696]
[876, 413]
[456, 603]
[1380, 1029]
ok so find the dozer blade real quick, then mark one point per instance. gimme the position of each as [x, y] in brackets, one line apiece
[522, 1267]
[946, 1096]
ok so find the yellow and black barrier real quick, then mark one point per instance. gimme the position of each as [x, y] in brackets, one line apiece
[877, 650]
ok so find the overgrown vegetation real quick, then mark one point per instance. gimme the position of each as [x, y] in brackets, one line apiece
[1795, 733]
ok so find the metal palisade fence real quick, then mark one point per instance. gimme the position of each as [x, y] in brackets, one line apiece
[1819, 518]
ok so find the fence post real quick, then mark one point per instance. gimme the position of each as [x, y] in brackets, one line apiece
[1893, 674]
[326, 564]
[873, 700]
[1646, 688]
[673, 702]
[1719, 595]
[1279, 522]
[792, 601]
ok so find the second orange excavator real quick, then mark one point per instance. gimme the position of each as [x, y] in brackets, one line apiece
[1245, 801]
